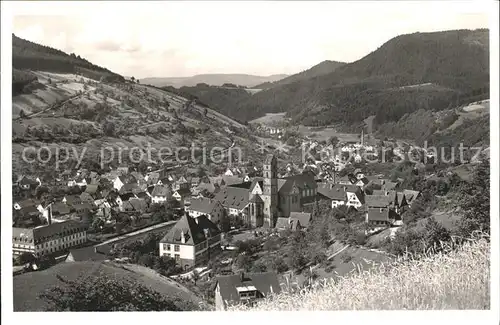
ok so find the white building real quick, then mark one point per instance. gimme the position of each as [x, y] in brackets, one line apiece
[191, 242]
[48, 239]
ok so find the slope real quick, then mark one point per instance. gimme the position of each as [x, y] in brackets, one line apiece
[320, 69]
[458, 280]
[28, 286]
[420, 70]
[33, 56]
[212, 79]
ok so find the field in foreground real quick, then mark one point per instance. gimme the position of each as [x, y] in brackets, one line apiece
[458, 280]
[28, 286]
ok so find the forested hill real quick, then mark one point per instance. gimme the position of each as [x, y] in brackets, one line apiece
[27, 55]
[409, 72]
[320, 69]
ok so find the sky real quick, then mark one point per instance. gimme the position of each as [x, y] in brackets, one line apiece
[178, 39]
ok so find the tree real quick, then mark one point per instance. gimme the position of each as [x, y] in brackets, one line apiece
[103, 293]
[243, 262]
[133, 79]
[195, 276]
[108, 128]
[333, 141]
[26, 258]
[475, 201]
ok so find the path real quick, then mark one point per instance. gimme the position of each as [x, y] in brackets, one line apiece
[137, 232]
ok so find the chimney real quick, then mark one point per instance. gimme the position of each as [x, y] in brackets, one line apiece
[242, 276]
[183, 237]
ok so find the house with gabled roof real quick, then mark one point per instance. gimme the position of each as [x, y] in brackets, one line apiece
[191, 242]
[26, 183]
[244, 288]
[183, 195]
[212, 208]
[160, 194]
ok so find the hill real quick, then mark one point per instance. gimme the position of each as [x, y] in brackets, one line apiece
[68, 111]
[458, 280]
[33, 56]
[409, 72]
[28, 286]
[212, 79]
[320, 69]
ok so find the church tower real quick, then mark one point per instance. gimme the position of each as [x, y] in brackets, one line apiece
[270, 190]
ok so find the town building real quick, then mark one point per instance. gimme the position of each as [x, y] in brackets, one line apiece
[191, 241]
[246, 288]
[48, 239]
[263, 200]
[212, 208]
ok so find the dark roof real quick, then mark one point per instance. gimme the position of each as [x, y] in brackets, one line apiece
[301, 218]
[233, 197]
[186, 225]
[208, 227]
[389, 186]
[265, 283]
[127, 188]
[184, 191]
[29, 210]
[26, 203]
[380, 214]
[127, 196]
[138, 204]
[73, 199]
[377, 201]
[87, 254]
[333, 192]
[27, 181]
[203, 205]
[161, 190]
[60, 208]
[230, 180]
[47, 231]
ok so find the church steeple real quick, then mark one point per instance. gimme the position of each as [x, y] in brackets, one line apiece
[270, 190]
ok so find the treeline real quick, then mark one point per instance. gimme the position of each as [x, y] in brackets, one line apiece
[29, 55]
[455, 63]
[21, 79]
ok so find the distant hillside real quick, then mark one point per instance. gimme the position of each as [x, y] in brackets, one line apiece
[212, 79]
[320, 69]
[221, 99]
[33, 56]
[444, 69]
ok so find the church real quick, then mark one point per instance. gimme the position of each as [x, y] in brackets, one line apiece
[262, 201]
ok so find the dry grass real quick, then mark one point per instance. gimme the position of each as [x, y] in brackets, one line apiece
[457, 280]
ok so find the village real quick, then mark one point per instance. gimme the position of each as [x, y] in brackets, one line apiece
[202, 216]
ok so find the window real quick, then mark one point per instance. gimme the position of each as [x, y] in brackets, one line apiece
[177, 248]
[177, 257]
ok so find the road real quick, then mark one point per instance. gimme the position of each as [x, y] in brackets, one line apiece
[139, 233]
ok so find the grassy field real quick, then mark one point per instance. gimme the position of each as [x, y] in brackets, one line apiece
[270, 118]
[325, 133]
[458, 280]
[28, 286]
